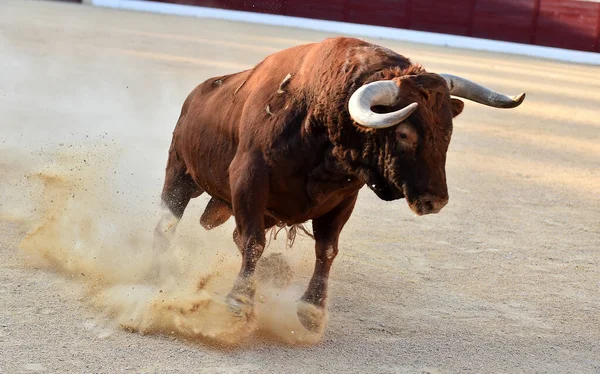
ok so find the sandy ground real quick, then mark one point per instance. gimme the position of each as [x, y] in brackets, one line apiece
[505, 279]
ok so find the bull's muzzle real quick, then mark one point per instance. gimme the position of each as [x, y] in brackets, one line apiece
[428, 204]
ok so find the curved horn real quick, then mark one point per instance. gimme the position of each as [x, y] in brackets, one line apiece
[464, 88]
[377, 93]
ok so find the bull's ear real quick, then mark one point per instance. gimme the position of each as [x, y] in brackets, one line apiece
[457, 107]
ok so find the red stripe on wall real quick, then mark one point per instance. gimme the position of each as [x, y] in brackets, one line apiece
[570, 24]
[598, 32]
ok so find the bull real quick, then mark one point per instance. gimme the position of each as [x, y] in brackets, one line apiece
[296, 137]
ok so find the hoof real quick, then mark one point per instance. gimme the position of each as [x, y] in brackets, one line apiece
[240, 306]
[203, 316]
[312, 317]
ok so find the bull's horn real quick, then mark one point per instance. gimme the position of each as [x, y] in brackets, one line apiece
[464, 88]
[377, 93]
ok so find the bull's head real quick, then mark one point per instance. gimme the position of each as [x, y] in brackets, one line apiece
[416, 112]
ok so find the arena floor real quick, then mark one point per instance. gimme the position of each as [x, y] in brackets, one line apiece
[505, 279]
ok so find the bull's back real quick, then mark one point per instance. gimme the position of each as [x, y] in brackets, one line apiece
[224, 110]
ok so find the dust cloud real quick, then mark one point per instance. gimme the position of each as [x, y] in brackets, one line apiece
[86, 229]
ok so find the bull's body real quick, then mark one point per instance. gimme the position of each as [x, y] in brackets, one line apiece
[227, 116]
[277, 145]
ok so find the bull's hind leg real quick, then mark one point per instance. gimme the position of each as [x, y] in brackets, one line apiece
[178, 189]
[327, 228]
[249, 181]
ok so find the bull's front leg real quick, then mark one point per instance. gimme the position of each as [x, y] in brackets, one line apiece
[249, 180]
[326, 229]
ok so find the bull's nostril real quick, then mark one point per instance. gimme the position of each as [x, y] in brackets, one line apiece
[428, 206]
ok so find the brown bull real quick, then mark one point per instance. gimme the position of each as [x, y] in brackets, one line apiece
[295, 138]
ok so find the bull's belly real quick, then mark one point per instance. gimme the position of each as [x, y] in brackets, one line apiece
[293, 197]
[291, 209]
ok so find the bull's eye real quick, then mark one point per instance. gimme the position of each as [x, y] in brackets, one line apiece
[406, 138]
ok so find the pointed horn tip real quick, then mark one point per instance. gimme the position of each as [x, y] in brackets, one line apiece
[517, 100]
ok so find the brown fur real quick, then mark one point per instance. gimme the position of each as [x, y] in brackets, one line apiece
[275, 150]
